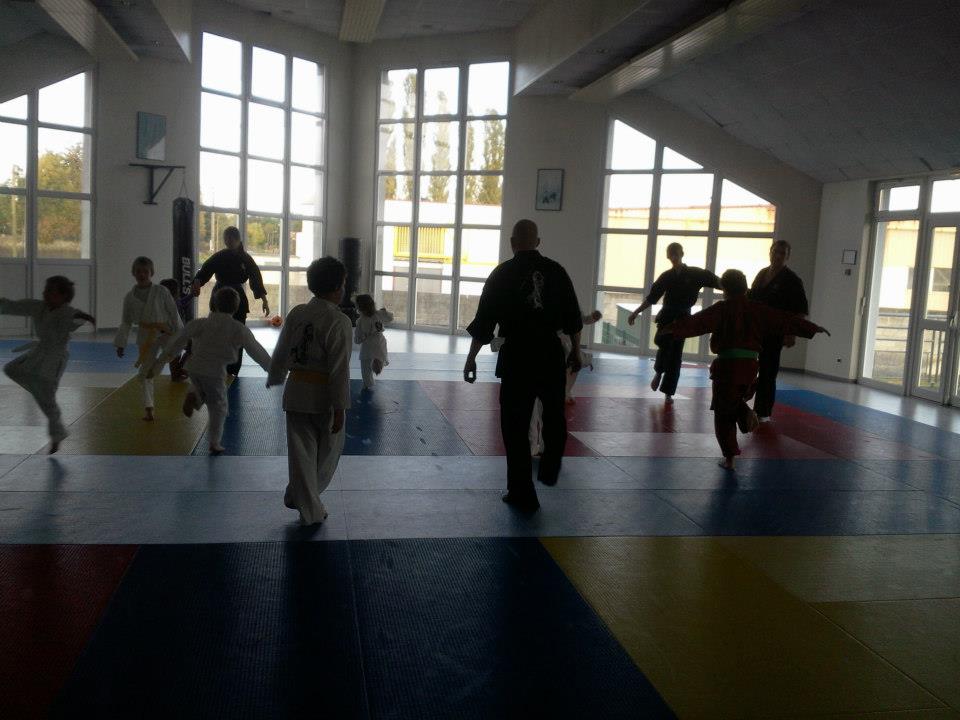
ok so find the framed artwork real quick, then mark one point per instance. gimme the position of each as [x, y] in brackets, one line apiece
[549, 189]
[151, 136]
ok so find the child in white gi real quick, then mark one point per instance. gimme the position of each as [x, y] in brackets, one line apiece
[39, 368]
[152, 309]
[314, 346]
[369, 336]
[215, 340]
[536, 419]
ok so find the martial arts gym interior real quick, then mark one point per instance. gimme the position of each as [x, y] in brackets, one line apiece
[722, 349]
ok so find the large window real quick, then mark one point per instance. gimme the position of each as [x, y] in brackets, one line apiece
[654, 196]
[262, 122]
[439, 190]
[46, 146]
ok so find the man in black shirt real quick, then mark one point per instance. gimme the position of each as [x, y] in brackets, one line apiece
[679, 287]
[779, 287]
[531, 298]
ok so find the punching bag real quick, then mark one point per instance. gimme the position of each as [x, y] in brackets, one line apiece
[183, 254]
[350, 257]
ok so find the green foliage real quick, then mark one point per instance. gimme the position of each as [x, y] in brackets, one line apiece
[493, 145]
[62, 171]
[263, 236]
[437, 187]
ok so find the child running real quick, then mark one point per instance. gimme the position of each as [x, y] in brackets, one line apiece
[39, 369]
[152, 309]
[215, 340]
[369, 336]
[738, 326]
[314, 347]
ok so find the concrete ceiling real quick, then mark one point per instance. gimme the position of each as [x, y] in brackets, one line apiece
[20, 20]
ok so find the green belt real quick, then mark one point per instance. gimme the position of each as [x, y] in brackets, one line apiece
[738, 354]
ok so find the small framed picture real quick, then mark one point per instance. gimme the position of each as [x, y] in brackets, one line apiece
[549, 189]
[849, 257]
[151, 136]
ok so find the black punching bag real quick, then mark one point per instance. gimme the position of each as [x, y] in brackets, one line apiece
[350, 257]
[183, 253]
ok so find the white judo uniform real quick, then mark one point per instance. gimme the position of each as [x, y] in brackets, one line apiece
[373, 344]
[216, 341]
[157, 321]
[40, 366]
[314, 347]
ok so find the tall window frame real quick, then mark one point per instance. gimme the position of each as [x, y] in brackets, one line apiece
[469, 226]
[710, 233]
[283, 267]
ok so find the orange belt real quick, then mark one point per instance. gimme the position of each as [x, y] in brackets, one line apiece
[312, 377]
[153, 328]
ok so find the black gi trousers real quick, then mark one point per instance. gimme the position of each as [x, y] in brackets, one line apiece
[767, 378]
[517, 395]
[668, 361]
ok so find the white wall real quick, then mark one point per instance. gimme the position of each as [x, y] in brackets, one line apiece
[836, 296]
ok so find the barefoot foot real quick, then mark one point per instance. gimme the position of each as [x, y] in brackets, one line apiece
[217, 449]
[726, 463]
[148, 414]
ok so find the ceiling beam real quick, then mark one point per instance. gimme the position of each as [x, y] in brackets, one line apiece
[360, 20]
[81, 21]
[177, 16]
[740, 21]
[39, 60]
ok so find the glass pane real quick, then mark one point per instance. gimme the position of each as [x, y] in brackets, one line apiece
[219, 122]
[685, 202]
[905, 197]
[266, 135]
[622, 260]
[297, 291]
[219, 180]
[393, 248]
[264, 186]
[435, 250]
[395, 198]
[13, 227]
[262, 239]
[433, 302]
[269, 75]
[440, 146]
[940, 281]
[441, 91]
[485, 144]
[748, 255]
[306, 242]
[398, 94]
[62, 161]
[63, 228]
[672, 160]
[271, 283]
[482, 199]
[694, 252]
[307, 85]
[627, 201]
[946, 196]
[392, 293]
[438, 199]
[306, 139]
[489, 89]
[630, 149]
[888, 317]
[13, 155]
[742, 211]
[469, 299]
[479, 252]
[932, 350]
[306, 191]
[613, 329]
[210, 235]
[16, 108]
[396, 147]
[221, 64]
[65, 102]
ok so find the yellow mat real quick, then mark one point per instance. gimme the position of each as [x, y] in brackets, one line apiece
[719, 639]
[116, 425]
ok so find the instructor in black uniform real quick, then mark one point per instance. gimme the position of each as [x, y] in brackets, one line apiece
[531, 298]
[779, 287]
[233, 267]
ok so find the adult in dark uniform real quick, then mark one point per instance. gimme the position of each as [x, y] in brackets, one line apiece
[679, 287]
[531, 298]
[232, 267]
[781, 288]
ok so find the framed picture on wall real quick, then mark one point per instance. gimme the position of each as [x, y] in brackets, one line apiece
[151, 136]
[549, 189]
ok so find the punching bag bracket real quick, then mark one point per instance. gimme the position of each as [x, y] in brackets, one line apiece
[154, 189]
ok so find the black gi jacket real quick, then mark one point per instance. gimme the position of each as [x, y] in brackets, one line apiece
[679, 291]
[233, 269]
[784, 292]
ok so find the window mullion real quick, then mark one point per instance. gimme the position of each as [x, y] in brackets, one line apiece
[458, 216]
[415, 218]
[246, 65]
[31, 252]
[284, 299]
